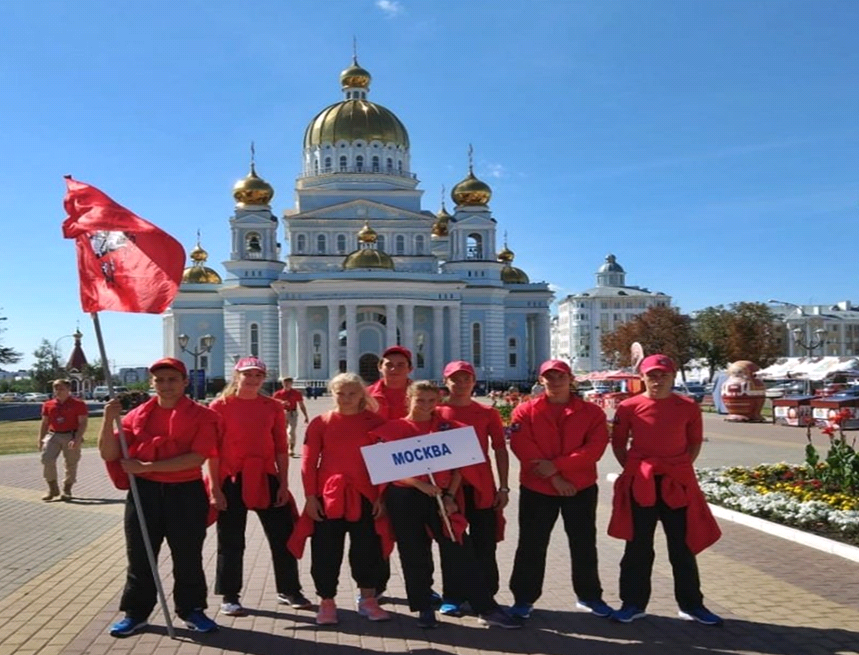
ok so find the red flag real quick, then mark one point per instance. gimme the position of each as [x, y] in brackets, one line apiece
[126, 264]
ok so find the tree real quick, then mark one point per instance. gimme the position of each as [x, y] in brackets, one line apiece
[659, 330]
[47, 366]
[753, 334]
[8, 355]
[710, 328]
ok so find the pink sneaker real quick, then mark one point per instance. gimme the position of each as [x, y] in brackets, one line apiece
[327, 614]
[369, 607]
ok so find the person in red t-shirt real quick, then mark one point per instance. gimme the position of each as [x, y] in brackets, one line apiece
[64, 420]
[169, 437]
[483, 501]
[656, 437]
[412, 505]
[389, 391]
[558, 439]
[292, 400]
[341, 499]
[251, 471]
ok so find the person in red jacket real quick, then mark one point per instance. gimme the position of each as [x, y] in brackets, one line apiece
[251, 472]
[169, 437]
[558, 439]
[389, 391]
[484, 501]
[341, 499]
[64, 420]
[656, 437]
[413, 508]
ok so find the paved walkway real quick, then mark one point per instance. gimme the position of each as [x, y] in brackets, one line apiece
[63, 568]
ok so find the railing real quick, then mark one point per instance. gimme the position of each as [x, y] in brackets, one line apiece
[363, 170]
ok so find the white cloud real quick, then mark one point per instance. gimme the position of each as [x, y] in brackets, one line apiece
[496, 171]
[390, 7]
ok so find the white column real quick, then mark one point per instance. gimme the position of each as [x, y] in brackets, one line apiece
[391, 325]
[409, 326]
[455, 332]
[285, 317]
[542, 348]
[437, 340]
[351, 337]
[333, 340]
[301, 368]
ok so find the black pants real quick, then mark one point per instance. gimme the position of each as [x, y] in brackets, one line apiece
[412, 514]
[537, 515]
[365, 552]
[636, 566]
[483, 529]
[277, 523]
[175, 512]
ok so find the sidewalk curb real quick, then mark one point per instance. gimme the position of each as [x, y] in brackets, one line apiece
[817, 542]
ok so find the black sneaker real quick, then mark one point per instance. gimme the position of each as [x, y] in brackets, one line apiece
[701, 615]
[297, 601]
[500, 619]
[426, 619]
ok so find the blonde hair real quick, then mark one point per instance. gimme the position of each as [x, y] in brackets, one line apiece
[232, 388]
[345, 379]
[422, 385]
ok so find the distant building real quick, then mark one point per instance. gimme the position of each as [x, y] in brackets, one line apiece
[817, 330]
[584, 317]
[365, 267]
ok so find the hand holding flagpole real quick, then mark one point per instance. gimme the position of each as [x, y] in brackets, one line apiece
[125, 264]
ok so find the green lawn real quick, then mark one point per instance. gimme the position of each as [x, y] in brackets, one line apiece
[22, 436]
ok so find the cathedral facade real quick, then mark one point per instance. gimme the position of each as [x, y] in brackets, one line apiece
[364, 267]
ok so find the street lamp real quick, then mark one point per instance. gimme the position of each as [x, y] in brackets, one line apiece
[206, 343]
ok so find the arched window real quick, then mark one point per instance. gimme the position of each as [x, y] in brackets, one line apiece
[300, 243]
[317, 351]
[375, 163]
[380, 243]
[254, 339]
[400, 245]
[341, 243]
[359, 163]
[328, 164]
[316, 167]
[474, 246]
[252, 243]
[476, 345]
[400, 167]
[389, 165]
[320, 244]
[343, 162]
[419, 244]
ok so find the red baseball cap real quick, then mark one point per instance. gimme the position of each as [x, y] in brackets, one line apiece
[456, 367]
[657, 363]
[169, 362]
[555, 365]
[398, 350]
[250, 364]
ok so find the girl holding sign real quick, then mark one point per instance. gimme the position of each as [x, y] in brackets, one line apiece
[413, 508]
[341, 499]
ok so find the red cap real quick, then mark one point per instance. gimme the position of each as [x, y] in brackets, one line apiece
[169, 362]
[250, 364]
[456, 367]
[398, 350]
[657, 363]
[555, 365]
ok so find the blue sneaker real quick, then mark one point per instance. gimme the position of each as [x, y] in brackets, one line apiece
[426, 619]
[450, 608]
[127, 627]
[199, 622]
[435, 599]
[627, 614]
[521, 610]
[596, 607]
[701, 615]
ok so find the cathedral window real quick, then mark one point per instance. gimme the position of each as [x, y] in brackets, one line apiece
[343, 162]
[341, 243]
[359, 163]
[380, 243]
[476, 343]
[320, 244]
[254, 339]
[375, 162]
[474, 246]
[252, 243]
[327, 164]
[300, 243]
[419, 245]
[317, 354]
[389, 165]
[316, 167]
[400, 245]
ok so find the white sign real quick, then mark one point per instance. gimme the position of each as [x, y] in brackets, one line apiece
[437, 451]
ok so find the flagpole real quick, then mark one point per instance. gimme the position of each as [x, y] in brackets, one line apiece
[444, 516]
[135, 494]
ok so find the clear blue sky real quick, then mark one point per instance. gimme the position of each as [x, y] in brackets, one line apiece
[712, 146]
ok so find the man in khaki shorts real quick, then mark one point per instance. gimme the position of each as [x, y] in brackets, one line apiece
[64, 420]
[292, 400]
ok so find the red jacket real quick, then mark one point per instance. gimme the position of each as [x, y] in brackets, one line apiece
[574, 444]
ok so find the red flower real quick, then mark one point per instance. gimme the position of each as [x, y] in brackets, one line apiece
[829, 430]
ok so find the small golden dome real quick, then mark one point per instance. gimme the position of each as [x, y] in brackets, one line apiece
[368, 258]
[198, 272]
[442, 222]
[355, 76]
[512, 275]
[506, 255]
[471, 191]
[367, 234]
[253, 190]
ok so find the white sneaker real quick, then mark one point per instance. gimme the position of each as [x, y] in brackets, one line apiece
[233, 609]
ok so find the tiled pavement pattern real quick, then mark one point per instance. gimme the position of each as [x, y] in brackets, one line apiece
[63, 567]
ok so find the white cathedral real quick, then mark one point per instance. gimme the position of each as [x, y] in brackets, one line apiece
[366, 268]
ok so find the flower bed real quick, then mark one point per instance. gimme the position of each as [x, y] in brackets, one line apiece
[788, 494]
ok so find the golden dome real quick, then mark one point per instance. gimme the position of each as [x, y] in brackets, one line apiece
[368, 258]
[506, 255]
[354, 120]
[198, 273]
[471, 191]
[367, 234]
[442, 222]
[253, 190]
[512, 275]
[355, 76]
